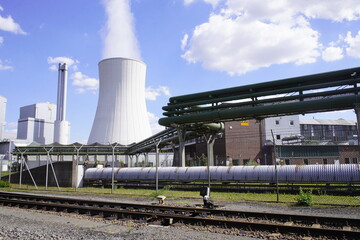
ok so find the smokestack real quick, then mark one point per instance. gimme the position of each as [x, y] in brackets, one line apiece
[121, 114]
[61, 128]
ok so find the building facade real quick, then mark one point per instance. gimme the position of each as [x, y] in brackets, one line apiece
[297, 141]
[3, 102]
[36, 123]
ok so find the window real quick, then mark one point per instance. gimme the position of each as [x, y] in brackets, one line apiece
[325, 161]
[291, 122]
[277, 122]
[246, 161]
[287, 161]
[306, 161]
[355, 160]
[347, 160]
[278, 137]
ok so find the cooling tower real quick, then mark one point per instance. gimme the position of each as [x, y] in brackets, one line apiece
[121, 114]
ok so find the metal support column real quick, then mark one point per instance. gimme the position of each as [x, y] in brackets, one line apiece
[112, 168]
[182, 135]
[157, 164]
[77, 166]
[21, 167]
[210, 140]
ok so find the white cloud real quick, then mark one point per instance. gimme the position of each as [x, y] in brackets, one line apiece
[1, 8]
[10, 134]
[246, 35]
[4, 67]
[153, 93]
[84, 83]
[353, 48]
[154, 125]
[10, 131]
[56, 60]
[12, 125]
[214, 3]
[188, 2]
[9, 25]
[332, 54]
[53, 68]
[184, 41]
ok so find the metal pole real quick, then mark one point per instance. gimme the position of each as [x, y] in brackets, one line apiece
[112, 170]
[47, 167]
[1, 167]
[27, 167]
[157, 164]
[21, 166]
[77, 164]
[52, 167]
[276, 172]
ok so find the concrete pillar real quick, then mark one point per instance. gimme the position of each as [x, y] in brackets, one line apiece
[137, 160]
[146, 158]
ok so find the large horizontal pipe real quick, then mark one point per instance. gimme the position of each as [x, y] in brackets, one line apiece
[261, 173]
[284, 83]
[255, 94]
[268, 100]
[321, 105]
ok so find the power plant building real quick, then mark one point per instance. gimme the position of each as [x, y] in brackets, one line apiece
[36, 123]
[121, 115]
[3, 102]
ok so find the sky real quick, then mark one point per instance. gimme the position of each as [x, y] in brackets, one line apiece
[188, 46]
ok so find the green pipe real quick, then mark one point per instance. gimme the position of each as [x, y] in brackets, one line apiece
[284, 83]
[270, 100]
[253, 94]
[321, 105]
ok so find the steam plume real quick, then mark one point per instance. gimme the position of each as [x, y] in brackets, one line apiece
[118, 34]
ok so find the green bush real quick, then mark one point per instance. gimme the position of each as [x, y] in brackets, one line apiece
[304, 198]
[4, 184]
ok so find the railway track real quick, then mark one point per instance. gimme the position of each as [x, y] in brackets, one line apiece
[286, 224]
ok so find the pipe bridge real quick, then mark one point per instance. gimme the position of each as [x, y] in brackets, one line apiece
[330, 91]
[322, 92]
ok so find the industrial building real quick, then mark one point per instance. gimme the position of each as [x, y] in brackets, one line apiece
[298, 141]
[36, 123]
[3, 101]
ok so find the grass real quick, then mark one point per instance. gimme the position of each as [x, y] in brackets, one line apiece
[181, 196]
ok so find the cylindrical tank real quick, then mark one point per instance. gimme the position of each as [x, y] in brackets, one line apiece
[121, 114]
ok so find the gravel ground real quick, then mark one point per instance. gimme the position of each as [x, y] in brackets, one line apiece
[18, 223]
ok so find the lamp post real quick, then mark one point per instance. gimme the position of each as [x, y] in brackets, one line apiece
[276, 170]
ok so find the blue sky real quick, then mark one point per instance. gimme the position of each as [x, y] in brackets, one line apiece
[188, 45]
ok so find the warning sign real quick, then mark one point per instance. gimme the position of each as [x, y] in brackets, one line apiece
[244, 123]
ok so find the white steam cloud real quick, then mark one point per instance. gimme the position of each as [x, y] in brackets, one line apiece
[118, 34]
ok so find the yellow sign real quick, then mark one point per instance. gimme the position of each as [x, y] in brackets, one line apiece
[244, 123]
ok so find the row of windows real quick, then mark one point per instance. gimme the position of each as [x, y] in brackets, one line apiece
[291, 122]
[325, 161]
